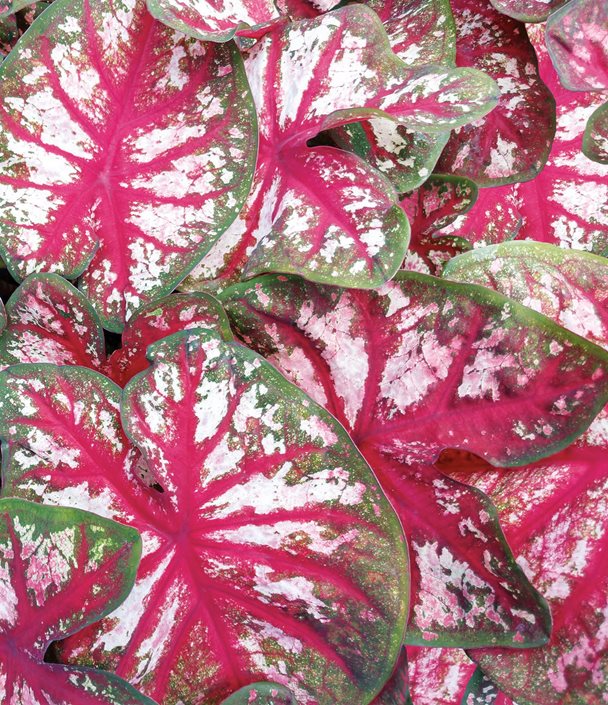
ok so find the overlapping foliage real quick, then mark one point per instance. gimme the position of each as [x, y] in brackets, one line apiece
[304, 358]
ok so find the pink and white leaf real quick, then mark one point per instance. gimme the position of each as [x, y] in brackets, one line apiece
[363, 355]
[269, 550]
[61, 569]
[307, 77]
[568, 286]
[158, 320]
[48, 320]
[566, 204]
[123, 136]
[554, 515]
[528, 10]
[512, 143]
[577, 40]
[216, 20]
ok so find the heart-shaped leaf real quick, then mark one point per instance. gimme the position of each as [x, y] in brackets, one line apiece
[595, 138]
[120, 138]
[322, 212]
[60, 570]
[554, 515]
[270, 551]
[51, 321]
[528, 10]
[262, 694]
[414, 368]
[568, 286]
[215, 20]
[512, 143]
[577, 40]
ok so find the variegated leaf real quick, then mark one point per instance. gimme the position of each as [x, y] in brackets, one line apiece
[567, 203]
[438, 676]
[322, 212]
[158, 320]
[48, 320]
[120, 138]
[568, 286]
[595, 139]
[512, 143]
[262, 694]
[554, 515]
[577, 40]
[397, 690]
[417, 367]
[215, 20]
[528, 10]
[61, 569]
[270, 551]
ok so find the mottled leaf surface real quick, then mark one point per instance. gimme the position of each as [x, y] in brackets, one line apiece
[568, 286]
[595, 138]
[119, 139]
[60, 570]
[415, 368]
[158, 320]
[438, 676]
[397, 690]
[270, 552]
[48, 320]
[322, 212]
[577, 40]
[215, 20]
[421, 33]
[440, 201]
[528, 10]
[513, 141]
[262, 694]
[554, 515]
[566, 204]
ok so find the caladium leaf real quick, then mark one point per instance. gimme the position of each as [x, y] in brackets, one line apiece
[507, 362]
[123, 181]
[577, 40]
[215, 20]
[595, 138]
[270, 551]
[512, 143]
[49, 320]
[60, 569]
[438, 203]
[10, 7]
[158, 320]
[438, 676]
[494, 217]
[567, 203]
[397, 690]
[421, 33]
[262, 694]
[554, 515]
[568, 286]
[346, 229]
[362, 354]
[528, 10]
